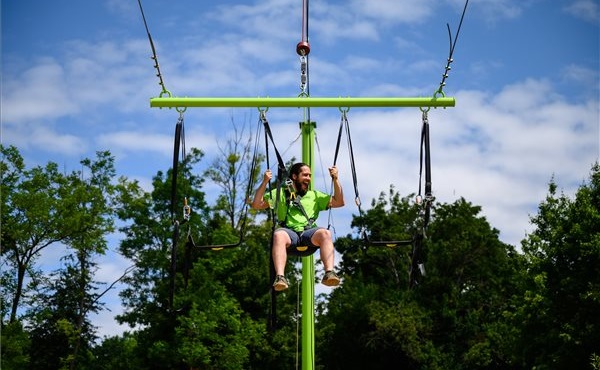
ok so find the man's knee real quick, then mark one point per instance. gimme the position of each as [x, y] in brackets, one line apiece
[282, 237]
[324, 233]
[321, 236]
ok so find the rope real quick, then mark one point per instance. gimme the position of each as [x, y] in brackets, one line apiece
[452, 46]
[303, 47]
[154, 57]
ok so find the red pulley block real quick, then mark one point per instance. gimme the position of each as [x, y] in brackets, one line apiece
[303, 48]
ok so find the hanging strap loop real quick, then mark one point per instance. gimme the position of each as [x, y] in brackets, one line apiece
[179, 139]
[417, 265]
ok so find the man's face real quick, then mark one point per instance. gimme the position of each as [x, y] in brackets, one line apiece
[302, 180]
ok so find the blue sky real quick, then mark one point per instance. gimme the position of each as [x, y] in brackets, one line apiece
[77, 78]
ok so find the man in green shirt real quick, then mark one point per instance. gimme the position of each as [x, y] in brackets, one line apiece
[297, 212]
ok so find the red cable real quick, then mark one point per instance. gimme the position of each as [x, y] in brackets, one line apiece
[303, 47]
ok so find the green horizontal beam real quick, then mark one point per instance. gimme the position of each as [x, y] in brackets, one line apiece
[298, 102]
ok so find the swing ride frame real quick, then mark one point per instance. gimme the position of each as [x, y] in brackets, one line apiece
[307, 128]
[304, 100]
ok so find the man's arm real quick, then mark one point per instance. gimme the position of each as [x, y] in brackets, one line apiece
[337, 199]
[259, 197]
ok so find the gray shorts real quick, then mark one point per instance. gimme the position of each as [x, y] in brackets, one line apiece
[301, 238]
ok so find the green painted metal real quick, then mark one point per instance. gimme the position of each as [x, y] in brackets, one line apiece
[301, 102]
[308, 264]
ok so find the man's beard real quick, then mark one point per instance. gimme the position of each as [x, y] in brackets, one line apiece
[300, 189]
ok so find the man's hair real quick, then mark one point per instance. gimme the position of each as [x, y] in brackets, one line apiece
[295, 169]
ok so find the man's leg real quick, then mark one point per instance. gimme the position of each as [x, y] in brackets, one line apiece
[322, 239]
[281, 241]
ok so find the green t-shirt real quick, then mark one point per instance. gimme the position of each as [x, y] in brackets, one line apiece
[313, 202]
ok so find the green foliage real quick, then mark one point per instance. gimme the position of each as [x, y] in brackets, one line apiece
[232, 171]
[453, 319]
[211, 336]
[15, 344]
[116, 353]
[481, 304]
[471, 278]
[218, 316]
[34, 217]
[44, 208]
[561, 301]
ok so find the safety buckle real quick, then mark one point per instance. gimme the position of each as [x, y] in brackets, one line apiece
[290, 187]
[187, 210]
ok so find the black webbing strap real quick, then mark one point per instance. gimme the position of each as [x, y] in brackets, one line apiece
[272, 319]
[281, 174]
[175, 171]
[339, 138]
[424, 156]
[389, 243]
[335, 156]
[297, 202]
[417, 266]
[281, 171]
[174, 174]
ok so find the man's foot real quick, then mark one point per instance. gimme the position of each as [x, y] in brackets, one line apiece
[280, 283]
[331, 279]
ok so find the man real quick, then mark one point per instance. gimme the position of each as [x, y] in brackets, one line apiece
[298, 209]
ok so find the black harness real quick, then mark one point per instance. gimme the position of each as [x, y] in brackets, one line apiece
[291, 197]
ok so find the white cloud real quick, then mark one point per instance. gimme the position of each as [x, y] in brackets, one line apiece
[136, 141]
[395, 11]
[581, 75]
[38, 93]
[43, 139]
[587, 10]
[497, 151]
[495, 11]
[139, 142]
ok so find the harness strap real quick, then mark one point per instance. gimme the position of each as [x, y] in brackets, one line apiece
[281, 172]
[417, 265]
[174, 174]
[280, 164]
[296, 201]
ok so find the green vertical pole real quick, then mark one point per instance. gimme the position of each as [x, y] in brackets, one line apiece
[308, 264]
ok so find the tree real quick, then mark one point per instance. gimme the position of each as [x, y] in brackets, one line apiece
[15, 347]
[43, 208]
[471, 278]
[233, 171]
[60, 328]
[203, 325]
[452, 319]
[149, 237]
[218, 315]
[560, 305]
[34, 217]
[59, 337]
[117, 353]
